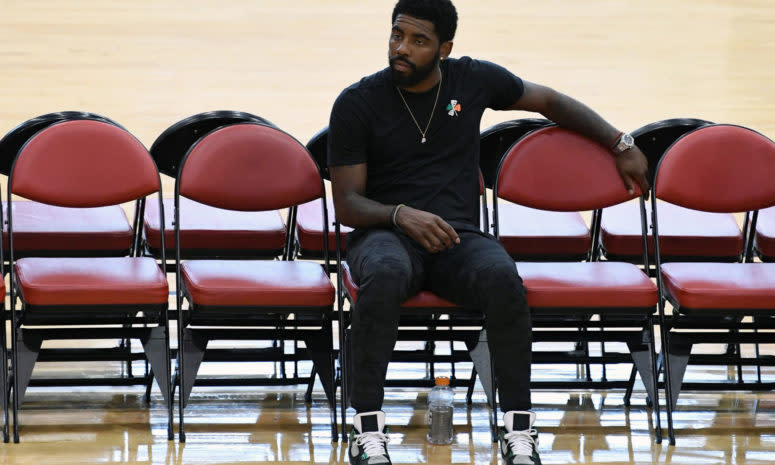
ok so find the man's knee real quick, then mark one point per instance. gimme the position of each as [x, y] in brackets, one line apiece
[500, 281]
[386, 275]
[383, 287]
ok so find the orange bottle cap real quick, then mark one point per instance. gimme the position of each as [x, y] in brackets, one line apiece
[442, 381]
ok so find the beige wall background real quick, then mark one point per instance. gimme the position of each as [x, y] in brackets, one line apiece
[149, 63]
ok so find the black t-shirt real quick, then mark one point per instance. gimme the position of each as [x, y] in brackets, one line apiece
[370, 124]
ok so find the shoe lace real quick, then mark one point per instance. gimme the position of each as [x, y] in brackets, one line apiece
[373, 443]
[522, 442]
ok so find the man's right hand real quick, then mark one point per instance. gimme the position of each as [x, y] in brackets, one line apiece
[429, 230]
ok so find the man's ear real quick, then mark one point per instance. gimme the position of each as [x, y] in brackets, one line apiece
[445, 49]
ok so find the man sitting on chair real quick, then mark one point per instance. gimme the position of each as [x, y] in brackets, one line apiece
[404, 156]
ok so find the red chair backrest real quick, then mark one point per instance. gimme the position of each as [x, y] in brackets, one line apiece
[720, 168]
[249, 167]
[83, 163]
[556, 169]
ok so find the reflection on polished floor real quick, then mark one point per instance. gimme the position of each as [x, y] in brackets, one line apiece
[229, 425]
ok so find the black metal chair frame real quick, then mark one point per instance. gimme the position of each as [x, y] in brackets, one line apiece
[4, 384]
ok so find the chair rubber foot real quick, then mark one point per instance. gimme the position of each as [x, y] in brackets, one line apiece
[182, 436]
[16, 438]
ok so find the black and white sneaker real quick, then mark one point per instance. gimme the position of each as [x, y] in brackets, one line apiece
[368, 439]
[519, 440]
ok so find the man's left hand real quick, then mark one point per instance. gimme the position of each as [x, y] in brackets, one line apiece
[633, 167]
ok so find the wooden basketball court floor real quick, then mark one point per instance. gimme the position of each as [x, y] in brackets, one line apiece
[147, 64]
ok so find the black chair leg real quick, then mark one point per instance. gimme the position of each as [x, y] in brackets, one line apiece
[15, 368]
[668, 388]
[344, 360]
[332, 403]
[148, 385]
[602, 351]
[181, 386]
[310, 386]
[586, 354]
[471, 386]
[494, 392]
[655, 380]
[758, 359]
[4, 376]
[630, 386]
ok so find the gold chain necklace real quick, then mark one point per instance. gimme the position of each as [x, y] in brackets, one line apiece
[422, 133]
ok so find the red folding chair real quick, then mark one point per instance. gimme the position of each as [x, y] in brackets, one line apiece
[252, 167]
[207, 232]
[308, 225]
[526, 233]
[720, 169]
[557, 170]
[690, 235]
[84, 164]
[215, 233]
[50, 231]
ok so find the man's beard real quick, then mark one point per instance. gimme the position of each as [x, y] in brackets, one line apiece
[416, 75]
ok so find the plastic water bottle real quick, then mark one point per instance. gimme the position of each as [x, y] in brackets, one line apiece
[440, 412]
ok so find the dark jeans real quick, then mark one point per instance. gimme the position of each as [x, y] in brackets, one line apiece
[389, 267]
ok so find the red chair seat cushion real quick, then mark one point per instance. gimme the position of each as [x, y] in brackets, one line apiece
[423, 299]
[208, 228]
[683, 232]
[731, 286]
[584, 284]
[765, 232]
[256, 283]
[309, 220]
[91, 281]
[41, 227]
[525, 231]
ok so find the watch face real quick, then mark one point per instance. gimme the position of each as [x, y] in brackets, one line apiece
[626, 142]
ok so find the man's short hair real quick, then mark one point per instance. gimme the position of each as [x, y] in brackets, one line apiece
[441, 13]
